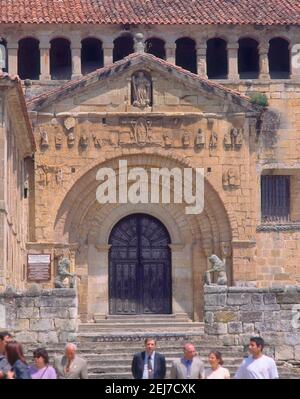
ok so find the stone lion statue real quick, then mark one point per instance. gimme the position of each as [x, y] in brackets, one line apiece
[63, 272]
[219, 267]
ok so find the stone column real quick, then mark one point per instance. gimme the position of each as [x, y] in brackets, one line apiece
[76, 58]
[107, 53]
[263, 49]
[295, 61]
[12, 53]
[232, 49]
[45, 58]
[171, 53]
[201, 61]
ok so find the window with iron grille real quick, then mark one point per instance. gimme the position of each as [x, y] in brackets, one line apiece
[275, 198]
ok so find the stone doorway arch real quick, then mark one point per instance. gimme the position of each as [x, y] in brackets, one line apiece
[82, 221]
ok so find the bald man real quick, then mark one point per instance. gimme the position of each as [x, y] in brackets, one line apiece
[70, 366]
[190, 366]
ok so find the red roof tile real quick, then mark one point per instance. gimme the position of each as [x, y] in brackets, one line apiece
[162, 12]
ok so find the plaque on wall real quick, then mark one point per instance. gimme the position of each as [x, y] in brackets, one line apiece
[38, 267]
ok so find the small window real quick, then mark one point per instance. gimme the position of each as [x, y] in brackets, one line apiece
[275, 199]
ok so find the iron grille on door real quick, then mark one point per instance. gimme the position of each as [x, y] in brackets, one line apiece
[275, 198]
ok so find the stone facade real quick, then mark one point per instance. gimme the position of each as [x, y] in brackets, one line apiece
[93, 122]
[40, 316]
[232, 315]
[16, 148]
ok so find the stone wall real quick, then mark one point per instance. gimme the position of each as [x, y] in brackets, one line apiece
[234, 314]
[39, 316]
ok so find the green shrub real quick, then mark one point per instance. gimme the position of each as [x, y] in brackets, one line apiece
[259, 99]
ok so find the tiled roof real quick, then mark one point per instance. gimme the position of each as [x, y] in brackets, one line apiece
[151, 12]
[133, 60]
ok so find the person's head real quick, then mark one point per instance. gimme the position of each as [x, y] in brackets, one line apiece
[150, 345]
[215, 359]
[70, 351]
[14, 352]
[189, 351]
[256, 346]
[5, 337]
[41, 357]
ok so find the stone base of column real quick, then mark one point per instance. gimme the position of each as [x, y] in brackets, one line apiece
[264, 76]
[76, 76]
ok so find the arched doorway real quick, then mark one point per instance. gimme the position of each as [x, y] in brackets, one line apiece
[139, 267]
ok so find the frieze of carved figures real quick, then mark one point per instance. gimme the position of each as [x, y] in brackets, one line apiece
[141, 131]
[231, 179]
[141, 90]
[185, 139]
[200, 139]
[98, 143]
[44, 139]
[213, 141]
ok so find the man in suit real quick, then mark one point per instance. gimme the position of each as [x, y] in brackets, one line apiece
[190, 366]
[70, 366]
[149, 364]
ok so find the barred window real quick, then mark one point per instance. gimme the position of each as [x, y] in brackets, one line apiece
[275, 198]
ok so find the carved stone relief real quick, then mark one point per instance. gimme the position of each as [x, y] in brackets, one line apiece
[234, 139]
[185, 139]
[44, 139]
[49, 176]
[213, 141]
[231, 178]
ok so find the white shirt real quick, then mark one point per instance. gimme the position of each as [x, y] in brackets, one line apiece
[221, 373]
[145, 373]
[262, 368]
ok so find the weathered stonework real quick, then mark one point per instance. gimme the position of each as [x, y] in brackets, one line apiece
[43, 316]
[266, 315]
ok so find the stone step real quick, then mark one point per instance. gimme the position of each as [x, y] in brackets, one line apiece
[101, 363]
[141, 325]
[139, 336]
[121, 370]
[145, 317]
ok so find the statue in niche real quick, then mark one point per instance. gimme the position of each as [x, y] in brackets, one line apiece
[58, 140]
[71, 139]
[44, 139]
[185, 139]
[63, 273]
[141, 90]
[239, 138]
[213, 140]
[230, 180]
[227, 140]
[84, 141]
[97, 141]
[167, 139]
[236, 137]
[219, 267]
[200, 139]
[41, 177]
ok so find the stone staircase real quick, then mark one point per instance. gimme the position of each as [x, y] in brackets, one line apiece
[108, 345]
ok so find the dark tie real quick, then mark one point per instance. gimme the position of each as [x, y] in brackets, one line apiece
[150, 368]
